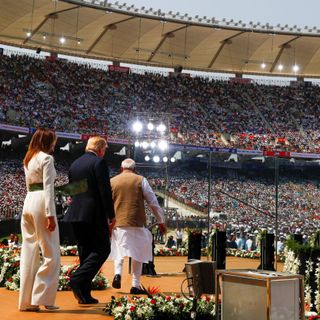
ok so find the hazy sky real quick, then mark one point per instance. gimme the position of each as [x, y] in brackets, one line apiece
[291, 12]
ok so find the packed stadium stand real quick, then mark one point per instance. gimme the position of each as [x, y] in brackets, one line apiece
[74, 97]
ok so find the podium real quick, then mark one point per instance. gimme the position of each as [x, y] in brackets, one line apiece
[258, 294]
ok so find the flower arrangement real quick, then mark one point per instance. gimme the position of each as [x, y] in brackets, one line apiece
[160, 307]
[13, 283]
[10, 272]
[250, 254]
[305, 259]
[9, 264]
[69, 250]
[171, 251]
[99, 282]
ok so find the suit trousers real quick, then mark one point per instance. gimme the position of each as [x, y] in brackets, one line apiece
[38, 280]
[94, 248]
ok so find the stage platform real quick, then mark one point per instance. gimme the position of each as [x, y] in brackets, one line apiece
[169, 279]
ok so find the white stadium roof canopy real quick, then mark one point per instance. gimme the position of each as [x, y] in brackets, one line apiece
[118, 32]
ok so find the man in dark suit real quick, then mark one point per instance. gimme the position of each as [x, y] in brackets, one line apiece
[91, 214]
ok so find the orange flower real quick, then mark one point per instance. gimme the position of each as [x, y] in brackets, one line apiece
[153, 290]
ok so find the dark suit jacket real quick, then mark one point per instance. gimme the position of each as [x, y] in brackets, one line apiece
[94, 206]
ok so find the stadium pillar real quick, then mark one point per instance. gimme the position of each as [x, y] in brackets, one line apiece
[178, 69]
[239, 75]
[300, 78]
[116, 63]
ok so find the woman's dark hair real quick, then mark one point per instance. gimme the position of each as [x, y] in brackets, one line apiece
[43, 140]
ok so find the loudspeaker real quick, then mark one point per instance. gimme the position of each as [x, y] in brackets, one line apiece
[38, 50]
[201, 277]
[219, 240]
[194, 246]
[267, 252]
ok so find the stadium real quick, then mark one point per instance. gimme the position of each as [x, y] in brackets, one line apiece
[220, 115]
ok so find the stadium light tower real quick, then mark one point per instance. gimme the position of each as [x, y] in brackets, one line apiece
[150, 134]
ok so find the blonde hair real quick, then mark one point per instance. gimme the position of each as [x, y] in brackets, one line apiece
[96, 144]
[128, 164]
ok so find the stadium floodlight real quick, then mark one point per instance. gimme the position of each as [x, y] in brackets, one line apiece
[137, 126]
[295, 68]
[145, 144]
[147, 158]
[62, 40]
[152, 144]
[263, 65]
[156, 159]
[280, 67]
[165, 159]
[150, 126]
[163, 145]
[44, 36]
[173, 159]
[161, 128]
[78, 41]
[137, 144]
[28, 34]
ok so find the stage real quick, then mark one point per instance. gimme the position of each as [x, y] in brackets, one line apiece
[169, 279]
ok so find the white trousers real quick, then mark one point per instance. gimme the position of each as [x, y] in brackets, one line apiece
[38, 281]
[136, 271]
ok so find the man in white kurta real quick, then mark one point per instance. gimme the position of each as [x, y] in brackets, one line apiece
[130, 237]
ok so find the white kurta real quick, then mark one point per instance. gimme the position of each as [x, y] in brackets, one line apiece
[136, 242]
[39, 282]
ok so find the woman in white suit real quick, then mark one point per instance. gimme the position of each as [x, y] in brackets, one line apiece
[39, 280]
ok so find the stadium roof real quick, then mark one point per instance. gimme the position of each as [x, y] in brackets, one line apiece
[117, 32]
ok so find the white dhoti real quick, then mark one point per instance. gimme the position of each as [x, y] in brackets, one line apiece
[134, 242]
[131, 242]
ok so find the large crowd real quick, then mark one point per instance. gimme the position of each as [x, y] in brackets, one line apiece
[242, 203]
[13, 188]
[249, 204]
[78, 98]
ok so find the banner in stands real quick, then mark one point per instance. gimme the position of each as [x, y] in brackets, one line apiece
[118, 141]
[118, 68]
[281, 154]
[189, 147]
[224, 150]
[250, 152]
[13, 128]
[305, 155]
[68, 135]
[78, 136]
